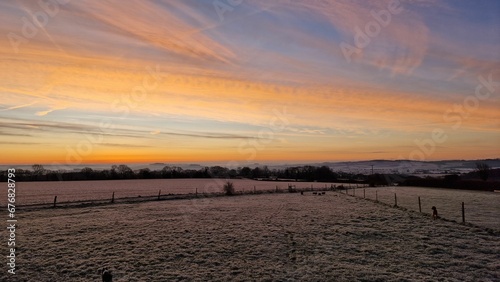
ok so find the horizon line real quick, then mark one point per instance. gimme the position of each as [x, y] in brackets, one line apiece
[256, 163]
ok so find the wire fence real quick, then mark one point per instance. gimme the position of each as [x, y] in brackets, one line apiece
[477, 208]
[118, 197]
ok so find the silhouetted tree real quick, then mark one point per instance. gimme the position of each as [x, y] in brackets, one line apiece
[256, 172]
[265, 171]
[87, 172]
[177, 172]
[145, 173]
[246, 172]
[377, 179]
[166, 172]
[483, 170]
[124, 171]
[323, 173]
[218, 171]
[232, 173]
[38, 169]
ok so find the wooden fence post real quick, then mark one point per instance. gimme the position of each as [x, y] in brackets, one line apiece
[159, 193]
[463, 212]
[395, 200]
[376, 196]
[113, 198]
[419, 205]
[55, 201]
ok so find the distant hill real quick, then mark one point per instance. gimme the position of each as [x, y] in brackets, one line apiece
[409, 167]
[473, 175]
[363, 167]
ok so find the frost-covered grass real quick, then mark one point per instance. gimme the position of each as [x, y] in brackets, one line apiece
[281, 237]
[69, 191]
[481, 208]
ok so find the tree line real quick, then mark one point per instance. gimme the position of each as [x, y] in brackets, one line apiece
[298, 173]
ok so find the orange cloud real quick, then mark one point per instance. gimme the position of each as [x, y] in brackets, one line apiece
[170, 61]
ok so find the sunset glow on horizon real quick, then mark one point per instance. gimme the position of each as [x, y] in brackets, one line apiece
[248, 81]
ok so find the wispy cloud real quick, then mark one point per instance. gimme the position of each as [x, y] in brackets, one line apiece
[124, 145]
[17, 107]
[157, 25]
[44, 113]
[228, 77]
[208, 135]
[3, 133]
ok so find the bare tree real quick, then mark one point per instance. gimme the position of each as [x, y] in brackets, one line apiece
[38, 169]
[87, 171]
[483, 169]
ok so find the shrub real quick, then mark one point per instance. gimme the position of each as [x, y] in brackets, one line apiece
[229, 188]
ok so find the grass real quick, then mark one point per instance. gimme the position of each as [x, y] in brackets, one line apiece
[279, 236]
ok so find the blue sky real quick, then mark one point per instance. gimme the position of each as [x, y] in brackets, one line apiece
[183, 81]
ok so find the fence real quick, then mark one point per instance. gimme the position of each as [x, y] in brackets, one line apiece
[459, 211]
[159, 196]
[453, 210]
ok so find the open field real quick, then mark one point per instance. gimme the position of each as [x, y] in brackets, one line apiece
[481, 208]
[253, 237]
[68, 191]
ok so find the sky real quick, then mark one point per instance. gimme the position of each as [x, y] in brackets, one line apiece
[245, 81]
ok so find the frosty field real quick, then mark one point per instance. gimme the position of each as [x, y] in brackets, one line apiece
[273, 237]
[67, 191]
[482, 208]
